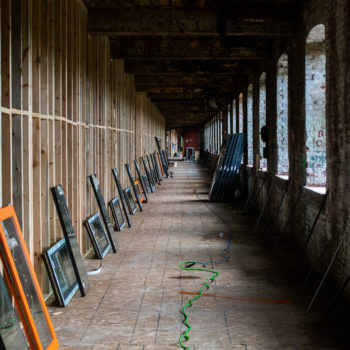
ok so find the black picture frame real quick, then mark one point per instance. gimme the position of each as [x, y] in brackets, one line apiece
[61, 272]
[121, 196]
[11, 334]
[141, 178]
[98, 235]
[104, 212]
[149, 175]
[153, 172]
[117, 214]
[134, 187]
[71, 239]
[130, 200]
[146, 183]
[156, 165]
[138, 190]
[163, 158]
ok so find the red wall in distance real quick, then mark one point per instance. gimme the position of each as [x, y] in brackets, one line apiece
[191, 139]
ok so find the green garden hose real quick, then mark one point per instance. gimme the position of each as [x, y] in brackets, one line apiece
[187, 266]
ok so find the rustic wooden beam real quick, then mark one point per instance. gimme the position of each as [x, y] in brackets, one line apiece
[181, 108]
[180, 101]
[158, 66]
[201, 47]
[181, 95]
[187, 79]
[156, 21]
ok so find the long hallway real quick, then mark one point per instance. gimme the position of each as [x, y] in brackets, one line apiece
[135, 302]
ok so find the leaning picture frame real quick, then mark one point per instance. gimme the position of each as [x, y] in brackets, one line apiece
[117, 214]
[98, 235]
[130, 201]
[104, 212]
[61, 272]
[139, 191]
[23, 284]
[147, 185]
[11, 333]
[71, 239]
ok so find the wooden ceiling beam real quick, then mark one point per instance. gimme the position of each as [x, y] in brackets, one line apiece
[158, 66]
[156, 21]
[204, 48]
[184, 80]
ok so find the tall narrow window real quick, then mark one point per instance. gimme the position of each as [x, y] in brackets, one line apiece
[250, 124]
[228, 119]
[282, 115]
[315, 106]
[262, 116]
[240, 112]
[234, 117]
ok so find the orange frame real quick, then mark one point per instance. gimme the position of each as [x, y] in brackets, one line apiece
[160, 163]
[137, 183]
[15, 285]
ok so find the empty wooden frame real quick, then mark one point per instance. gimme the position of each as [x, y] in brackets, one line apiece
[61, 272]
[149, 175]
[118, 217]
[71, 239]
[130, 201]
[146, 183]
[140, 176]
[139, 191]
[20, 277]
[11, 334]
[121, 195]
[97, 235]
[160, 164]
[132, 181]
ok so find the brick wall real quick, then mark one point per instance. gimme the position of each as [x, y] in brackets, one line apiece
[304, 136]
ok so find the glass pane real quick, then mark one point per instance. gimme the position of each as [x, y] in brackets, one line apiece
[118, 211]
[104, 212]
[62, 271]
[24, 273]
[99, 234]
[71, 238]
[11, 334]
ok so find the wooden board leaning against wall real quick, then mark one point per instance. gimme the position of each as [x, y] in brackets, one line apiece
[67, 110]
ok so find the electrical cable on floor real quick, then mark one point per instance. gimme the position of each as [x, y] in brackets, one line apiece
[95, 271]
[187, 266]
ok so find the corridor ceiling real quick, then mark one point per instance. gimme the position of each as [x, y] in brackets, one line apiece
[185, 54]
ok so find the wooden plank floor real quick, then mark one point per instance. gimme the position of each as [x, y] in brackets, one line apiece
[135, 302]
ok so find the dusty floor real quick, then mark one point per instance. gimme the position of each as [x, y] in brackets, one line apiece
[135, 302]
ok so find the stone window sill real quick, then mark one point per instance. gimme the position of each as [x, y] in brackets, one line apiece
[315, 193]
[282, 181]
[283, 177]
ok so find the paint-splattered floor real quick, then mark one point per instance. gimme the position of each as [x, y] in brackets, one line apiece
[135, 302]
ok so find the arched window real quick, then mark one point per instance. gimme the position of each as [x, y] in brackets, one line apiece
[234, 116]
[229, 119]
[282, 115]
[315, 106]
[262, 116]
[240, 112]
[250, 124]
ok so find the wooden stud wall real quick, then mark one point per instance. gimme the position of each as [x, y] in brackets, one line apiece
[67, 111]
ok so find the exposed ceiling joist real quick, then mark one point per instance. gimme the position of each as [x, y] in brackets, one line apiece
[187, 79]
[243, 21]
[205, 48]
[200, 67]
